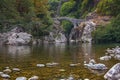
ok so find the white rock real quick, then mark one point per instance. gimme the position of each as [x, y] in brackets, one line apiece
[113, 73]
[7, 67]
[52, 64]
[5, 76]
[99, 66]
[34, 78]
[16, 69]
[70, 78]
[19, 38]
[21, 78]
[7, 71]
[117, 57]
[105, 58]
[40, 65]
[73, 65]
[62, 70]
[92, 61]
[86, 79]
[1, 73]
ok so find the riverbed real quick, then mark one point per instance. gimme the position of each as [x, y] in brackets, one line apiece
[27, 57]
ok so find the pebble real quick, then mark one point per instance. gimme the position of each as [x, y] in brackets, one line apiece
[7, 71]
[62, 70]
[86, 79]
[7, 67]
[40, 65]
[1, 73]
[21, 78]
[34, 78]
[73, 65]
[5, 76]
[16, 69]
[51, 64]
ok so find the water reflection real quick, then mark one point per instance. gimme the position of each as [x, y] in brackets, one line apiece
[87, 51]
[54, 52]
[19, 50]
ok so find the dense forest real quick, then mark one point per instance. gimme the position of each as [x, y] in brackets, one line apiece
[36, 16]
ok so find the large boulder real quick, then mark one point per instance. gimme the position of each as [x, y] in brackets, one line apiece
[87, 33]
[19, 38]
[83, 32]
[113, 73]
[16, 36]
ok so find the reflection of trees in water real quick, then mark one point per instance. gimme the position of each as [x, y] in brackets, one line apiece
[20, 50]
[14, 53]
[54, 51]
[87, 51]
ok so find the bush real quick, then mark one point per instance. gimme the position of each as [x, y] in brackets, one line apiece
[110, 33]
[67, 7]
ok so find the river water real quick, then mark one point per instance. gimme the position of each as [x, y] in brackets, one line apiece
[27, 57]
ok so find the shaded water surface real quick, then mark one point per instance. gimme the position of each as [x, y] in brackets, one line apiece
[26, 58]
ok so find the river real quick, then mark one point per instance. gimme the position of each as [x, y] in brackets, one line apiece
[27, 57]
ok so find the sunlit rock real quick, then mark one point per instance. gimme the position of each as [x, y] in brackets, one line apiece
[40, 65]
[113, 73]
[16, 69]
[52, 64]
[62, 70]
[86, 79]
[87, 33]
[1, 73]
[21, 78]
[117, 57]
[96, 66]
[34, 78]
[92, 61]
[7, 71]
[73, 65]
[70, 78]
[105, 58]
[6, 76]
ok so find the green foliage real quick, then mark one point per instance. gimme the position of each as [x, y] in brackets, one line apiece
[28, 13]
[67, 26]
[111, 33]
[67, 7]
[109, 7]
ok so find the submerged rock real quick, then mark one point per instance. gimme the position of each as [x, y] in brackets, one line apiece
[6, 76]
[1, 73]
[34, 78]
[62, 70]
[86, 79]
[16, 69]
[7, 71]
[73, 65]
[21, 78]
[52, 64]
[70, 78]
[113, 73]
[40, 65]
